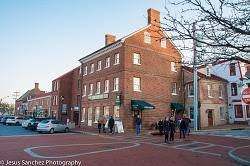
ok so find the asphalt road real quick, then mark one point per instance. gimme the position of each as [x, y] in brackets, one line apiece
[6, 130]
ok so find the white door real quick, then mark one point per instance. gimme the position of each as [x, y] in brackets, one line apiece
[89, 116]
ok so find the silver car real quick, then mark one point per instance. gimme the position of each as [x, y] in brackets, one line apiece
[51, 126]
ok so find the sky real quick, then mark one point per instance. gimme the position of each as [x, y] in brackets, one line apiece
[41, 40]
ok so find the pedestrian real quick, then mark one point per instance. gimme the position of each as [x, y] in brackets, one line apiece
[183, 128]
[166, 129]
[138, 123]
[160, 125]
[99, 125]
[111, 124]
[103, 124]
[187, 121]
[172, 129]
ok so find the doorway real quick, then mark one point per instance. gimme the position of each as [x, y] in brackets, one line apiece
[90, 117]
[210, 118]
[76, 117]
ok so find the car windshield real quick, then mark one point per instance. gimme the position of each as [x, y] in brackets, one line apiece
[45, 121]
[11, 117]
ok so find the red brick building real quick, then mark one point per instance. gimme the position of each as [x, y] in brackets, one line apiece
[137, 74]
[21, 103]
[65, 96]
[39, 106]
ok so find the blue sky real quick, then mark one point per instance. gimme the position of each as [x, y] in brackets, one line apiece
[43, 39]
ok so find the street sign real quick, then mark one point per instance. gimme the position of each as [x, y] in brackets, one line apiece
[246, 95]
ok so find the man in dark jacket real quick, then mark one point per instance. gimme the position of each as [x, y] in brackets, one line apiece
[183, 128]
[111, 124]
[166, 129]
[160, 125]
[138, 125]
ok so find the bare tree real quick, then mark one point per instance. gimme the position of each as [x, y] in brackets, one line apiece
[222, 27]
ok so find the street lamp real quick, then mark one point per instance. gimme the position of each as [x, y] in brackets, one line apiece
[61, 105]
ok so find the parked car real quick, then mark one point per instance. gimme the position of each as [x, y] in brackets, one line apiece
[34, 122]
[51, 126]
[14, 120]
[3, 120]
[26, 123]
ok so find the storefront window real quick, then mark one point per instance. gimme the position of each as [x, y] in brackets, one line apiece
[191, 113]
[106, 111]
[97, 114]
[116, 112]
[238, 111]
[248, 111]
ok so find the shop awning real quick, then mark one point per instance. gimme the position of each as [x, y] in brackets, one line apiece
[177, 106]
[141, 105]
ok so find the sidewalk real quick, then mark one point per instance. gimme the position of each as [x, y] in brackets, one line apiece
[226, 127]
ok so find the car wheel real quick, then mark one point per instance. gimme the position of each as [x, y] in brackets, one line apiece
[39, 132]
[17, 123]
[51, 131]
[66, 130]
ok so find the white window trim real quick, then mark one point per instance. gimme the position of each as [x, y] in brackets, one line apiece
[147, 37]
[209, 96]
[136, 90]
[118, 59]
[174, 94]
[99, 65]
[85, 72]
[98, 87]
[92, 71]
[136, 62]
[106, 90]
[108, 58]
[96, 119]
[91, 89]
[114, 88]
[84, 90]
[173, 66]
[83, 113]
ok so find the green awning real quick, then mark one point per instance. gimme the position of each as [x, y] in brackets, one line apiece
[141, 105]
[177, 106]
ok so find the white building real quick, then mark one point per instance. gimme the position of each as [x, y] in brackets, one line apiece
[236, 71]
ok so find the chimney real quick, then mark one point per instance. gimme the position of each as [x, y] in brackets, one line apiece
[109, 39]
[36, 85]
[153, 17]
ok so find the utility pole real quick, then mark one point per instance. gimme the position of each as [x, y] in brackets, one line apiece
[15, 97]
[195, 80]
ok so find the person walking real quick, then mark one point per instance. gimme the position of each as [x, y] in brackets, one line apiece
[187, 121]
[183, 128]
[99, 125]
[166, 129]
[172, 129]
[138, 123]
[160, 125]
[111, 124]
[103, 124]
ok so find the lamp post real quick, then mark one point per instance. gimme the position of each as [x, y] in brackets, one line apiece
[61, 105]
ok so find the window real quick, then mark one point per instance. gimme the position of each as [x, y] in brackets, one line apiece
[107, 62]
[106, 86]
[90, 89]
[136, 59]
[84, 90]
[234, 89]
[117, 59]
[238, 111]
[220, 91]
[209, 91]
[80, 70]
[116, 84]
[174, 88]
[190, 90]
[137, 84]
[85, 70]
[222, 113]
[163, 42]
[55, 86]
[232, 69]
[92, 68]
[173, 67]
[106, 111]
[248, 111]
[99, 65]
[116, 112]
[97, 114]
[191, 113]
[78, 100]
[83, 114]
[98, 87]
[147, 38]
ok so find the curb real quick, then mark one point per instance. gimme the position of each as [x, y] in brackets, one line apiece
[238, 159]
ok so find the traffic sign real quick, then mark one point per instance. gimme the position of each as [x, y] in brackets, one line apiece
[246, 95]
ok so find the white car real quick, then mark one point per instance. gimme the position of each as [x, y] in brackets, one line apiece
[26, 123]
[12, 120]
[51, 126]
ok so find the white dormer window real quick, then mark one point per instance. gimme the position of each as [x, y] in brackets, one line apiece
[173, 67]
[99, 65]
[117, 59]
[163, 42]
[85, 70]
[92, 68]
[107, 62]
[147, 38]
